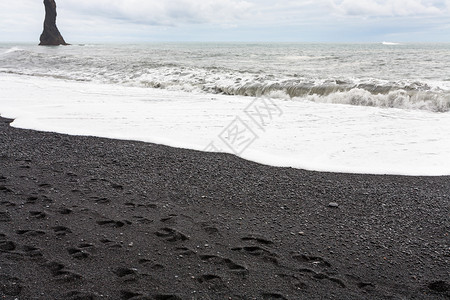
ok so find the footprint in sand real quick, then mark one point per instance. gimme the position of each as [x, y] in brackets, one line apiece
[30, 232]
[184, 251]
[77, 253]
[5, 189]
[65, 211]
[440, 287]
[208, 278]
[171, 235]
[314, 260]
[142, 220]
[322, 276]
[319, 272]
[60, 273]
[117, 186]
[154, 266]
[130, 295]
[38, 214]
[272, 296]
[61, 230]
[32, 199]
[258, 239]
[127, 274]
[112, 223]
[10, 286]
[7, 245]
[126, 295]
[296, 282]
[338, 281]
[110, 244]
[8, 204]
[44, 185]
[166, 297]
[231, 265]
[100, 200]
[169, 219]
[5, 216]
[263, 253]
[209, 228]
[32, 251]
[77, 295]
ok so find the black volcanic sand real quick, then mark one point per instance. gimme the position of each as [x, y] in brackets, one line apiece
[92, 218]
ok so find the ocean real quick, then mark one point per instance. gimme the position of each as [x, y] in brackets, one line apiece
[377, 108]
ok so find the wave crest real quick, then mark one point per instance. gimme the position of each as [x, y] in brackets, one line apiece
[242, 81]
[13, 49]
[394, 99]
[409, 96]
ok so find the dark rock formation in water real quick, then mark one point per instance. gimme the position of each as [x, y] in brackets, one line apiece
[51, 35]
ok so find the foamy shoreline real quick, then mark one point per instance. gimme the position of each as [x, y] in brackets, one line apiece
[300, 134]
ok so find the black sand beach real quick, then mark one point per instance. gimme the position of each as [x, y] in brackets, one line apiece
[92, 218]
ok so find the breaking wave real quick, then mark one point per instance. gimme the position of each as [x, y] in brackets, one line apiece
[13, 49]
[411, 96]
[394, 99]
[240, 79]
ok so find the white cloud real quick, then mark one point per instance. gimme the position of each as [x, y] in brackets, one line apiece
[394, 8]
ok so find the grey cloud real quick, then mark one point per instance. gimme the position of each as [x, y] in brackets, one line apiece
[390, 7]
[164, 12]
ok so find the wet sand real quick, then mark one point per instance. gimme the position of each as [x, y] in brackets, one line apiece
[93, 218]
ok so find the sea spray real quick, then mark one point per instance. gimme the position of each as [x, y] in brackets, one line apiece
[362, 75]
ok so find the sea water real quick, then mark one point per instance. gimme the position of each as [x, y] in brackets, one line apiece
[381, 108]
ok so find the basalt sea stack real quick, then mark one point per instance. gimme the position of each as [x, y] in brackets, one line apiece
[51, 35]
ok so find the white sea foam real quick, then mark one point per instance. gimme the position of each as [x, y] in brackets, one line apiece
[309, 135]
[394, 120]
[336, 74]
[12, 49]
[395, 99]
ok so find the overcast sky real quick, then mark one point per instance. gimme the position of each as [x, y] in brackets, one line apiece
[231, 20]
